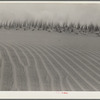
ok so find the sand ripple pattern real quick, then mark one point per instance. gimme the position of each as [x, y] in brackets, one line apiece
[30, 67]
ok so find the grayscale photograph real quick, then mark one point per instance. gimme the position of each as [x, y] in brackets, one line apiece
[49, 47]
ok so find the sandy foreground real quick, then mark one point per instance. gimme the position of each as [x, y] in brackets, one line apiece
[48, 61]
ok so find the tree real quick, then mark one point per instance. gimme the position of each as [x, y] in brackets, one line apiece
[96, 28]
[78, 26]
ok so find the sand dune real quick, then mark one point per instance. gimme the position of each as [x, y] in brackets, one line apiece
[43, 61]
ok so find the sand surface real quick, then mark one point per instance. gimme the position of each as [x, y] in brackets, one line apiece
[48, 61]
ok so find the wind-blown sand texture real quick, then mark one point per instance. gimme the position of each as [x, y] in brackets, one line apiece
[44, 61]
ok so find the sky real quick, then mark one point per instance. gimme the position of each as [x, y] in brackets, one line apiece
[56, 12]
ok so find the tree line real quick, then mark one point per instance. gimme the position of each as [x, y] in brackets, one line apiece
[76, 28]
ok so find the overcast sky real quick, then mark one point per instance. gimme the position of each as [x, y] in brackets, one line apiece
[83, 13]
